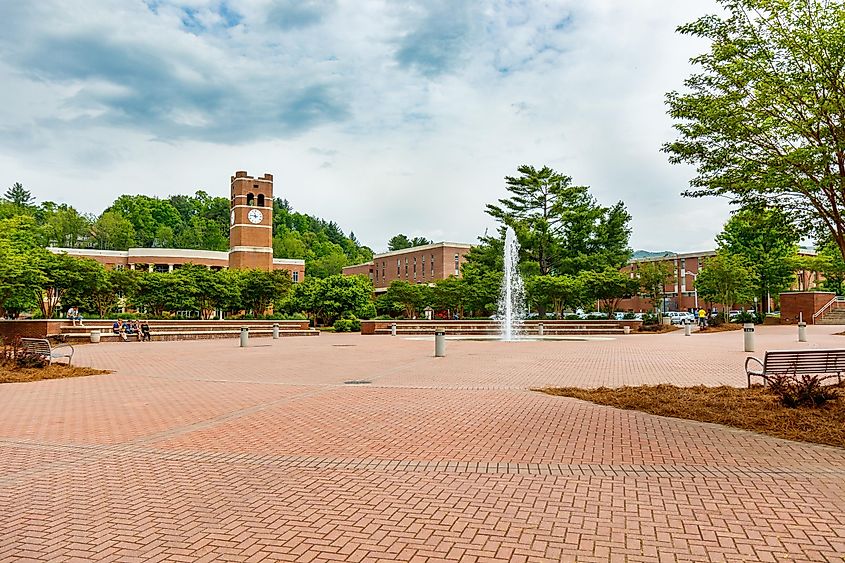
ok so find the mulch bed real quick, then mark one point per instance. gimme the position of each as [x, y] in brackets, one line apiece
[55, 371]
[724, 327]
[655, 329]
[754, 409]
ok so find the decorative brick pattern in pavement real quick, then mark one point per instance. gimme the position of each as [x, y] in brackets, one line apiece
[201, 451]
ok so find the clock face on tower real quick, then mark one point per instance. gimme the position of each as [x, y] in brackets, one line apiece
[255, 216]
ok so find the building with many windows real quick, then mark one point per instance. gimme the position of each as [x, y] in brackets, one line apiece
[681, 294]
[419, 264]
[250, 239]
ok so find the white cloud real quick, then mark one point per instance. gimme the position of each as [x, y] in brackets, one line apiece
[382, 117]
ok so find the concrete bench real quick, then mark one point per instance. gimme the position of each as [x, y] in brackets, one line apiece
[829, 363]
[42, 347]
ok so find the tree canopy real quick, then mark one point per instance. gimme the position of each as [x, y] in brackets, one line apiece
[763, 118]
[561, 228]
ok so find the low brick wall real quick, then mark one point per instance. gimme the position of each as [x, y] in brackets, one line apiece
[796, 303]
[10, 330]
[459, 327]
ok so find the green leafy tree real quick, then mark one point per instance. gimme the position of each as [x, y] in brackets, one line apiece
[157, 292]
[769, 242]
[561, 228]
[260, 289]
[19, 196]
[411, 297]
[326, 300]
[608, 288]
[482, 288]
[63, 273]
[20, 278]
[559, 292]
[401, 242]
[64, 226]
[762, 119]
[830, 264]
[113, 231]
[653, 278]
[207, 289]
[726, 279]
[450, 294]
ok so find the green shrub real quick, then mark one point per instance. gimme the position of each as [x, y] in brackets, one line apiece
[629, 316]
[343, 325]
[650, 319]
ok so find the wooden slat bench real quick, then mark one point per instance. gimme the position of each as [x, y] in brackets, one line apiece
[42, 347]
[828, 362]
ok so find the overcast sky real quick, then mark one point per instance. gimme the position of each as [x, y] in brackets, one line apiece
[385, 117]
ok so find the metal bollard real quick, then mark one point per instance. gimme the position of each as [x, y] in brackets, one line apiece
[244, 336]
[393, 329]
[802, 332]
[275, 331]
[440, 343]
[748, 333]
[540, 329]
[687, 328]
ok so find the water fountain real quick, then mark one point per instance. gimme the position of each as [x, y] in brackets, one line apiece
[511, 311]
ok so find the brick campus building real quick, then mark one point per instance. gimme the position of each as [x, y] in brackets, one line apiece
[681, 294]
[419, 264]
[250, 239]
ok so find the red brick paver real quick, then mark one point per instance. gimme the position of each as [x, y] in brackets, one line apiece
[201, 451]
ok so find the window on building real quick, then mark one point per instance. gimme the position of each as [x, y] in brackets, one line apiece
[260, 200]
[432, 265]
[406, 267]
[295, 276]
[250, 198]
[457, 264]
[119, 267]
[161, 268]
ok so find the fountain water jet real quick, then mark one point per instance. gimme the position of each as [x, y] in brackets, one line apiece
[511, 311]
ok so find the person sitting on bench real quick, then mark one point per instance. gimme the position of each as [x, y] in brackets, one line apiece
[118, 330]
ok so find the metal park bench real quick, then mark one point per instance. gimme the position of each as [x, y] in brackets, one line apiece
[826, 362]
[42, 347]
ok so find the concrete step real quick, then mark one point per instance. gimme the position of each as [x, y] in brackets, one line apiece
[189, 335]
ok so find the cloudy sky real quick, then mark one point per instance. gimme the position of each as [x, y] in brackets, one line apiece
[385, 116]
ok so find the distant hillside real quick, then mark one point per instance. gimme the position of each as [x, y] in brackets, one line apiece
[649, 254]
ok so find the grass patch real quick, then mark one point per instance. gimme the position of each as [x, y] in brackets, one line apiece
[724, 327]
[756, 409]
[55, 371]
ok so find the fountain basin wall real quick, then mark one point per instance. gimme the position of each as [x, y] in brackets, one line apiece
[491, 327]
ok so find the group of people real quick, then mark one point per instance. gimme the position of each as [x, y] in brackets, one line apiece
[138, 329]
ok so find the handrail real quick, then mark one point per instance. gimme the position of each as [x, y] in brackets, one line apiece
[827, 306]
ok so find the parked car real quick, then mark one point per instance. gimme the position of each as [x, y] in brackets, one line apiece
[680, 317]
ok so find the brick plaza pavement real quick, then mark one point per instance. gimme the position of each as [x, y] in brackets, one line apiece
[201, 451]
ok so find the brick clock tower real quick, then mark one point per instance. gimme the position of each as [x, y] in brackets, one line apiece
[251, 228]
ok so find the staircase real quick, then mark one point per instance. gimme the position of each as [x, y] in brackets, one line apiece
[834, 314]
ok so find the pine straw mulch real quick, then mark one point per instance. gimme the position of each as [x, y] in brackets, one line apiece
[754, 409]
[655, 329]
[724, 327]
[55, 371]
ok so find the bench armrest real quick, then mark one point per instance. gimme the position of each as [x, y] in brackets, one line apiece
[750, 372]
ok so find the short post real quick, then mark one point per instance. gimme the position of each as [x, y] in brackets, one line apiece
[275, 331]
[540, 329]
[687, 328]
[393, 329]
[440, 343]
[244, 336]
[748, 334]
[802, 332]
[95, 336]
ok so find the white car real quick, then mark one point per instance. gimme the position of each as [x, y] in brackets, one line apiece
[680, 317]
